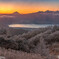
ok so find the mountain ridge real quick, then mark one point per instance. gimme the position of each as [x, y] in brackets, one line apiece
[47, 17]
[47, 11]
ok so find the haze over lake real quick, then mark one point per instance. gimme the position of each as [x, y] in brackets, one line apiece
[30, 25]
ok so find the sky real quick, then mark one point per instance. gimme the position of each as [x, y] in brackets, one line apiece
[28, 6]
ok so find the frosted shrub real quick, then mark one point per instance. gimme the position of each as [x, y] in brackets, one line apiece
[2, 31]
[55, 28]
[53, 37]
[12, 32]
[33, 33]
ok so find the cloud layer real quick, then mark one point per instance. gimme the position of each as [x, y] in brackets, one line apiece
[27, 0]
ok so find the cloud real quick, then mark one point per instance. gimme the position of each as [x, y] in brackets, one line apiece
[27, 0]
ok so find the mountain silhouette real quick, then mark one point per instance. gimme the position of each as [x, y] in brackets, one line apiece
[47, 17]
[16, 13]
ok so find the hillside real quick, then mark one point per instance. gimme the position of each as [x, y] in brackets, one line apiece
[42, 43]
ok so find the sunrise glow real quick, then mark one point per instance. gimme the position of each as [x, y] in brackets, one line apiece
[24, 8]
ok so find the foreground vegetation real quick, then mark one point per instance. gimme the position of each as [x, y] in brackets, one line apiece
[41, 43]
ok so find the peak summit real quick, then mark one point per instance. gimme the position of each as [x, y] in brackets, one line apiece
[16, 13]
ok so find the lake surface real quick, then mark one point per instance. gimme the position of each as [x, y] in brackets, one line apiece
[30, 25]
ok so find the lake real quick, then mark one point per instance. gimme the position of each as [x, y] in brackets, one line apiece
[30, 25]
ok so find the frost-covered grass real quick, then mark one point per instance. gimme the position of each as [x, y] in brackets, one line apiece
[12, 54]
[34, 44]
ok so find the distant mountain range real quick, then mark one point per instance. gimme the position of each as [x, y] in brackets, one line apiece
[47, 17]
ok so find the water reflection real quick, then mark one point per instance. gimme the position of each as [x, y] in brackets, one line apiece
[30, 25]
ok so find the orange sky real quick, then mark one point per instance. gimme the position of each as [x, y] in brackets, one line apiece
[25, 8]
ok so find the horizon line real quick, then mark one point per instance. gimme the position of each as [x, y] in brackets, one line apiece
[29, 12]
